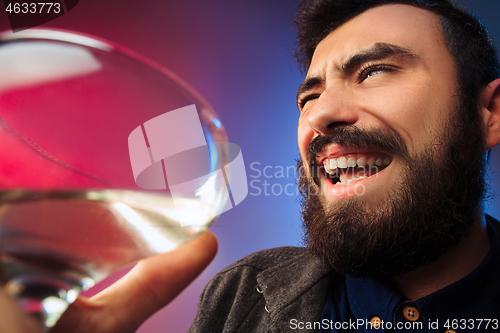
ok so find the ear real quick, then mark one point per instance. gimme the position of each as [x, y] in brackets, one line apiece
[490, 108]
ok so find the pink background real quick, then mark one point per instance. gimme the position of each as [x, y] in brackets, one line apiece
[239, 56]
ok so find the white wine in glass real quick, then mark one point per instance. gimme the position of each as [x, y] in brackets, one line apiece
[105, 158]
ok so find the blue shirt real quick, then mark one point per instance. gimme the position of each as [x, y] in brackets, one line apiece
[471, 304]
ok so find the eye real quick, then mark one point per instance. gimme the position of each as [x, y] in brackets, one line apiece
[303, 101]
[373, 70]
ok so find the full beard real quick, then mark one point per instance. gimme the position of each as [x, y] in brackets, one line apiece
[430, 209]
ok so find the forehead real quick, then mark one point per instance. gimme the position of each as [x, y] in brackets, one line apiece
[409, 27]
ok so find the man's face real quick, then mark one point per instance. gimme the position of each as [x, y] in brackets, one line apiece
[387, 69]
[382, 89]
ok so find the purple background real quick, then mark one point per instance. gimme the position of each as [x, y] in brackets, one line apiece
[238, 55]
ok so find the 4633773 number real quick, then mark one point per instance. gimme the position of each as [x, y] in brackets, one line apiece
[471, 324]
[34, 8]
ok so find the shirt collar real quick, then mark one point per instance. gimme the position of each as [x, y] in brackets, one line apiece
[473, 297]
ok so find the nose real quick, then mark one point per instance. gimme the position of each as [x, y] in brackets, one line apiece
[331, 111]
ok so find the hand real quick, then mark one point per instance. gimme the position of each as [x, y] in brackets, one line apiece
[121, 308]
[13, 319]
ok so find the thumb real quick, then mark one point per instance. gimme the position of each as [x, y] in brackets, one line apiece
[150, 285]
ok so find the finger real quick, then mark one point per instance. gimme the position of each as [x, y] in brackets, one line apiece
[149, 286]
[13, 320]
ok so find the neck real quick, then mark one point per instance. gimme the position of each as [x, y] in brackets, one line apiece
[450, 267]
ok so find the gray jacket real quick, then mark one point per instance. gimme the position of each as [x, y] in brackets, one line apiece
[263, 293]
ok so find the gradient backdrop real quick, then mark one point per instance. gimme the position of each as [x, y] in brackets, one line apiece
[239, 56]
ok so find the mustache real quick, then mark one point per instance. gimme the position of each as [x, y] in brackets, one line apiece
[356, 138]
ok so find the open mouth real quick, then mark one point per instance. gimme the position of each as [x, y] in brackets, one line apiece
[347, 169]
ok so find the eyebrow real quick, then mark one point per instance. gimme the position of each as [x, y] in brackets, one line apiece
[378, 51]
[308, 84]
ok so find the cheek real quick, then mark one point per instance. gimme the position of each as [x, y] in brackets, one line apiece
[304, 137]
[413, 111]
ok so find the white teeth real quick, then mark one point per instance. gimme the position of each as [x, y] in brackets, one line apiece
[333, 164]
[342, 162]
[347, 181]
[327, 167]
[362, 161]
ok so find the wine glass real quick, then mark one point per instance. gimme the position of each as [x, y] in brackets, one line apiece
[106, 158]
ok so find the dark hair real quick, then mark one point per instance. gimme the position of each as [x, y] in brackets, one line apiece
[467, 38]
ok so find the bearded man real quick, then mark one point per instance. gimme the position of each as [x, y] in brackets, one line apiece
[398, 110]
